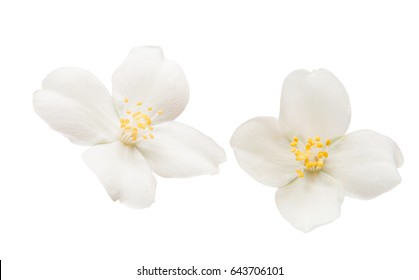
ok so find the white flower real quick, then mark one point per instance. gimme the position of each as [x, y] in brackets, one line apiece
[306, 156]
[133, 134]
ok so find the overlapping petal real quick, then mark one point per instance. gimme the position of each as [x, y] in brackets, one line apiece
[74, 102]
[124, 172]
[365, 162]
[158, 83]
[310, 202]
[179, 150]
[263, 152]
[314, 104]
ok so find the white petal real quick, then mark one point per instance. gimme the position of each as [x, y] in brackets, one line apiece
[74, 102]
[124, 173]
[178, 150]
[147, 77]
[263, 152]
[311, 201]
[314, 104]
[365, 162]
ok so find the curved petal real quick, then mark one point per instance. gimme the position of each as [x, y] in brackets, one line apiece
[263, 152]
[124, 173]
[310, 202]
[365, 162]
[74, 102]
[178, 150]
[314, 104]
[147, 77]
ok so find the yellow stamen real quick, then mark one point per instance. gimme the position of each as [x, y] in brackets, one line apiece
[136, 121]
[313, 157]
[300, 173]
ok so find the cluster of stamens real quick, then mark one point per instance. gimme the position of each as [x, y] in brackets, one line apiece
[312, 154]
[137, 124]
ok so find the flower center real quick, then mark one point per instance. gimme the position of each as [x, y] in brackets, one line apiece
[311, 155]
[136, 125]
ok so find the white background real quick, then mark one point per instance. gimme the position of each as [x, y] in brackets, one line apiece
[57, 222]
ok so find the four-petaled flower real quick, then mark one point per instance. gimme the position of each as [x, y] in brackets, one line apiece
[306, 155]
[134, 133]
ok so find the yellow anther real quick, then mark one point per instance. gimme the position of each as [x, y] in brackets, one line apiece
[160, 112]
[141, 125]
[301, 157]
[295, 139]
[126, 100]
[150, 108]
[320, 164]
[311, 164]
[317, 138]
[121, 120]
[310, 141]
[150, 127]
[308, 147]
[319, 145]
[134, 138]
[139, 103]
[135, 129]
[300, 173]
[293, 144]
[126, 120]
[128, 112]
[151, 136]
[327, 142]
[325, 154]
[145, 137]
[293, 150]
